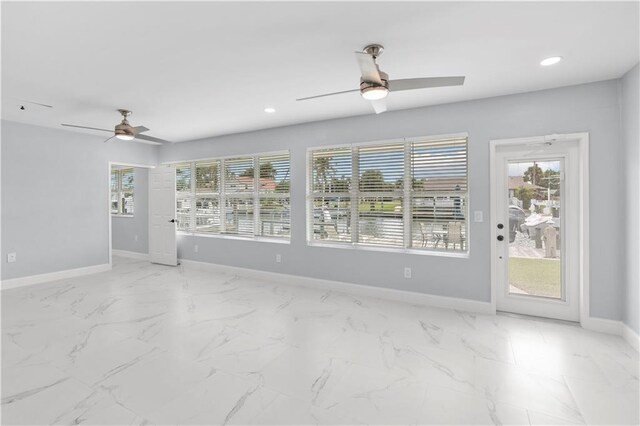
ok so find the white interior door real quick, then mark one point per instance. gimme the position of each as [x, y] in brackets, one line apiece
[162, 207]
[537, 229]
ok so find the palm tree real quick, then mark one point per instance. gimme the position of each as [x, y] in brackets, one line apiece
[323, 169]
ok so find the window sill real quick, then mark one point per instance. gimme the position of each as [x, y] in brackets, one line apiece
[351, 246]
[237, 237]
[122, 215]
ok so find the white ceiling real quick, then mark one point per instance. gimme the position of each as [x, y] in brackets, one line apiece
[192, 70]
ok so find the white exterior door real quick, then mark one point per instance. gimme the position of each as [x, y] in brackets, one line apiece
[536, 229]
[162, 207]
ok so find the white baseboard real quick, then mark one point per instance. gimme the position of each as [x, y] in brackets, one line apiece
[618, 328]
[356, 289]
[53, 276]
[631, 337]
[602, 325]
[130, 254]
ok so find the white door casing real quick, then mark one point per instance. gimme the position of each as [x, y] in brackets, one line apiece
[162, 207]
[568, 153]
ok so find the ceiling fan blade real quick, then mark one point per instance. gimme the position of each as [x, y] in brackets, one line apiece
[368, 68]
[424, 83]
[138, 129]
[328, 94]
[85, 127]
[379, 106]
[150, 140]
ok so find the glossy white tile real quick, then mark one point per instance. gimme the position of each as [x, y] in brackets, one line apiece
[149, 344]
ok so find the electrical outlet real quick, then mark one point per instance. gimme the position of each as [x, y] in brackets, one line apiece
[195, 248]
[278, 258]
[478, 216]
[407, 272]
[135, 237]
[11, 257]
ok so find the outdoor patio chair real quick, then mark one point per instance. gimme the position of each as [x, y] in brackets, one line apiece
[430, 232]
[454, 235]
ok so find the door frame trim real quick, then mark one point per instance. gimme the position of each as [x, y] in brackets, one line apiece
[583, 229]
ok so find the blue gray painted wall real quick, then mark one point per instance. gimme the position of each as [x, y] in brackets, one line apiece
[629, 94]
[55, 197]
[54, 225]
[593, 108]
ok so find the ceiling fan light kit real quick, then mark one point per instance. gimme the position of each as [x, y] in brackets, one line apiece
[125, 136]
[375, 84]
[122, 130]
[374, 93]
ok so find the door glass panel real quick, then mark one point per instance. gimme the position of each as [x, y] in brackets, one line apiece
[533, 228]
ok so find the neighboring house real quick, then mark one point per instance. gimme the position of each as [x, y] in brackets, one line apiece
[516, 182]
[245, 183]
[440, 183]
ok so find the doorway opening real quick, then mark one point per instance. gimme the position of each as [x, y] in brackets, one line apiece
[128, 210]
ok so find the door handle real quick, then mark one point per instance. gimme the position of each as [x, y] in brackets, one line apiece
[500, 226]
[500, 238]
[172, 221]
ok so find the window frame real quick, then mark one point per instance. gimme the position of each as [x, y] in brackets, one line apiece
[120, 191]
[407, 198]
[222, 195]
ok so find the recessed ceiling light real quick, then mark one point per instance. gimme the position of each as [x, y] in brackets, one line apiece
[269, 110]
[550, 61]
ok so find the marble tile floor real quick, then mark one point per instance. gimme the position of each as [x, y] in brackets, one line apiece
[147, 344]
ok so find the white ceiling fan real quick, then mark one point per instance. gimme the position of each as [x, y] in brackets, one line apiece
[125, 131]
[375, 84]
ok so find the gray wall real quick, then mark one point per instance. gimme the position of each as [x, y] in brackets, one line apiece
[56, 217]
[629, 93]
[592, 107]
[125, 230]
[55, 191]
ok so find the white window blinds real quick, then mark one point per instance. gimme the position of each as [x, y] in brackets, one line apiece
[239, 193]
[331, 206]
[274, 196]
[380, 183]
[244, 196]
[122, 188]
[397, 195]
[207, 197]
[115, 177]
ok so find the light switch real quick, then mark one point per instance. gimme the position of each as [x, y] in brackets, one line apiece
[478, 216]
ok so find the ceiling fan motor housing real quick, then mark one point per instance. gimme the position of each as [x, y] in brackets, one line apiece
[123, 128]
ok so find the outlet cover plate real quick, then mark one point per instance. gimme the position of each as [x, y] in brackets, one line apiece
[407, 272]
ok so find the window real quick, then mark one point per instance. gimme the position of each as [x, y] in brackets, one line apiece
[244, 196]
[122, 191]
[404, 195]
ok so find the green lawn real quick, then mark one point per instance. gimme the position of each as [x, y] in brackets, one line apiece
[365, 206]
[539, 277]
[378, 206]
